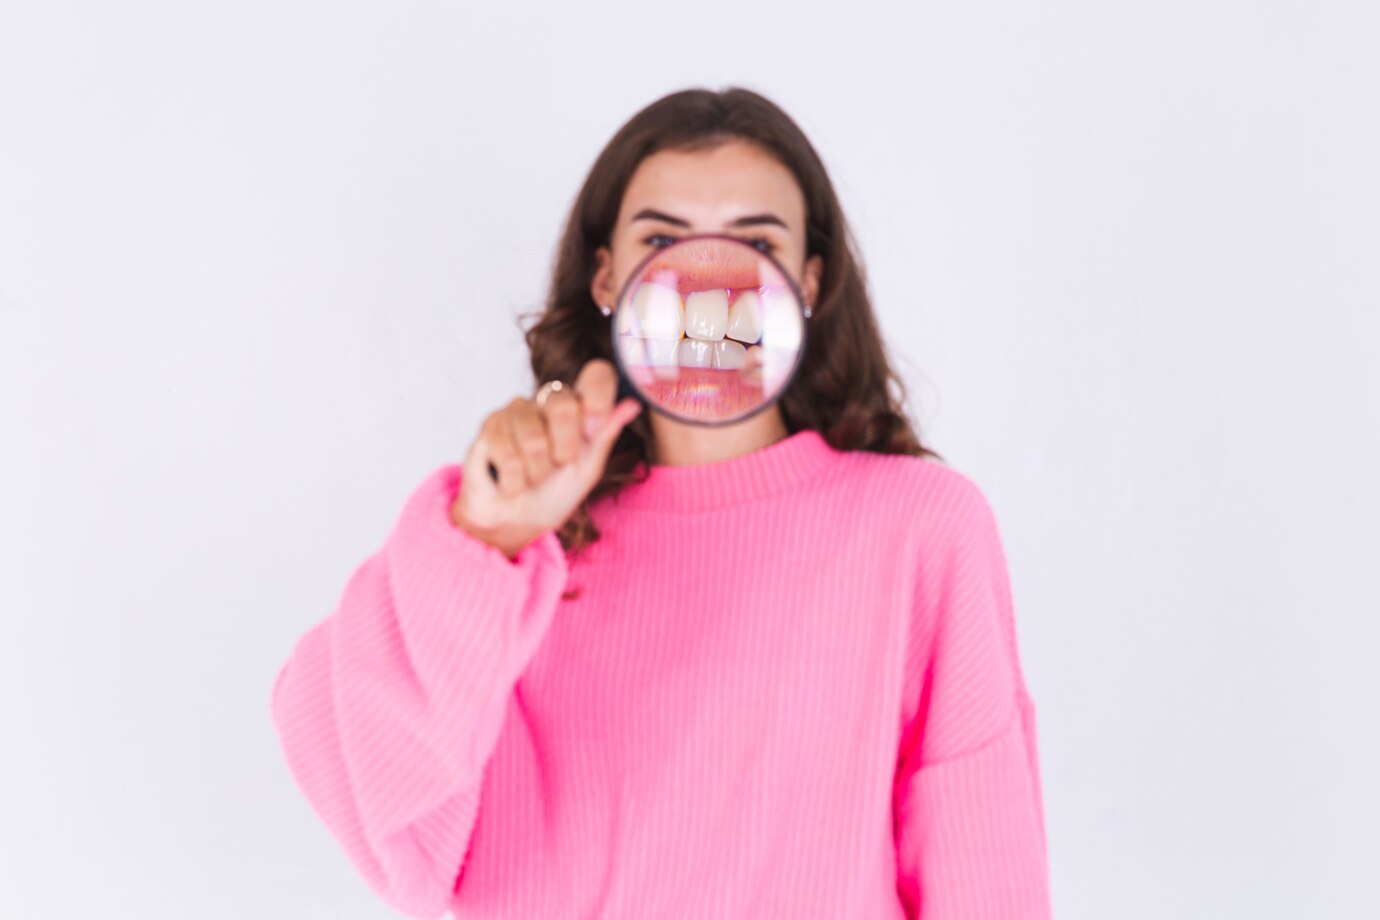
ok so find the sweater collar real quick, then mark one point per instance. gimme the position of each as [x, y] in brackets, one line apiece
[778, 467]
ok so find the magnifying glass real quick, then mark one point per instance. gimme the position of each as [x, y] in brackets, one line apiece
[708, 331]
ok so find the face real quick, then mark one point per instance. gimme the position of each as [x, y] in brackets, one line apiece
[735, 188]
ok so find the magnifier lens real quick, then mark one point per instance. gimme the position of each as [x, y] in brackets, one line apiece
[709, 330]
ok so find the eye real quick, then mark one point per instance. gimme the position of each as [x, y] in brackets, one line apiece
[659, 240]
[762, 244]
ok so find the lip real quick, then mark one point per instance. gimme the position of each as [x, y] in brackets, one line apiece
[706, 393]
[702, 265]
[714, 394]
[709, 262]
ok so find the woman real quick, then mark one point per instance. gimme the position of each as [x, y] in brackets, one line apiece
[618, 666]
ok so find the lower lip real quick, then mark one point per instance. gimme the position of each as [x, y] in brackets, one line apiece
[702, 393]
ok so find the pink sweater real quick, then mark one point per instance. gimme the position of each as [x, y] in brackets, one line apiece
[788, 687]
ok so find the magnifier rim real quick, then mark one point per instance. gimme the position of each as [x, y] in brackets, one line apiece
[626, 385]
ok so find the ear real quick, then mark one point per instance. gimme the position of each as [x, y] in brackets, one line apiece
[811, 278]
[601, 285]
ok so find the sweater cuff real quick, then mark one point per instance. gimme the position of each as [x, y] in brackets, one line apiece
[539, 570]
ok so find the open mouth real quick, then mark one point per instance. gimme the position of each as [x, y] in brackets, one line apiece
[709, 331]
[700, 379]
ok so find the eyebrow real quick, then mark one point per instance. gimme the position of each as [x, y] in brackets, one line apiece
[753, 220]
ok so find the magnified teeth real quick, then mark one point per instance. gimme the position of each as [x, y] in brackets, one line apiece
[706, 314]
[745, 318]
[658, 312]
[650, 359]
[696, 353]
[663, 357]
[776, 366]
[752, 366]
[723, 354]
[729, 355]
[781, 322]
[633, 350]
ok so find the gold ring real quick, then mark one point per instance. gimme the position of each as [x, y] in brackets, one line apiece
[551, 386]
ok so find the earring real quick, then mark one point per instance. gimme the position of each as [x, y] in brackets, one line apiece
[808, 311]
[605, 309]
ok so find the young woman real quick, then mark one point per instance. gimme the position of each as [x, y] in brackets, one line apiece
[615, 666]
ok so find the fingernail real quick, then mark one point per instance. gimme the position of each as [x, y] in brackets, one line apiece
[591, 426]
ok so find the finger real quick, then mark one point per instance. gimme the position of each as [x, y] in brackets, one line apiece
[478, 468]
[533, 443]
[503, 452]
[562, 411]
[597, 387]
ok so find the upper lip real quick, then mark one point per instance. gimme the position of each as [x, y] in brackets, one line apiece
[710, 262]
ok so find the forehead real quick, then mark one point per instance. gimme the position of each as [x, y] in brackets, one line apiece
[714, 185]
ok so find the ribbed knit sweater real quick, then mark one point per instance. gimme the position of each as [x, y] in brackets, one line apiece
[782, 685]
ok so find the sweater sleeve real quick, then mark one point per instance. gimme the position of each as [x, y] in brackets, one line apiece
[388, 709]
[970, 829]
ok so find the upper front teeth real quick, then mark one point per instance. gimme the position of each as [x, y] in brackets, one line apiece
[706, 314]
[658, 312]
[717, 333]
[781, 323]
[745, 318]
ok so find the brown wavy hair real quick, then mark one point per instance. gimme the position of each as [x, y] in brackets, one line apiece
[845, 387]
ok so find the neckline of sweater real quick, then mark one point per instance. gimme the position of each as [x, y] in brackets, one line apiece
[778, 467]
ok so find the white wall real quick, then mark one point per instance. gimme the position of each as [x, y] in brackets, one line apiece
[260, 267]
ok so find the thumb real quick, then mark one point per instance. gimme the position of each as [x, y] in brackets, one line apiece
[596, 386]
[601, 444]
